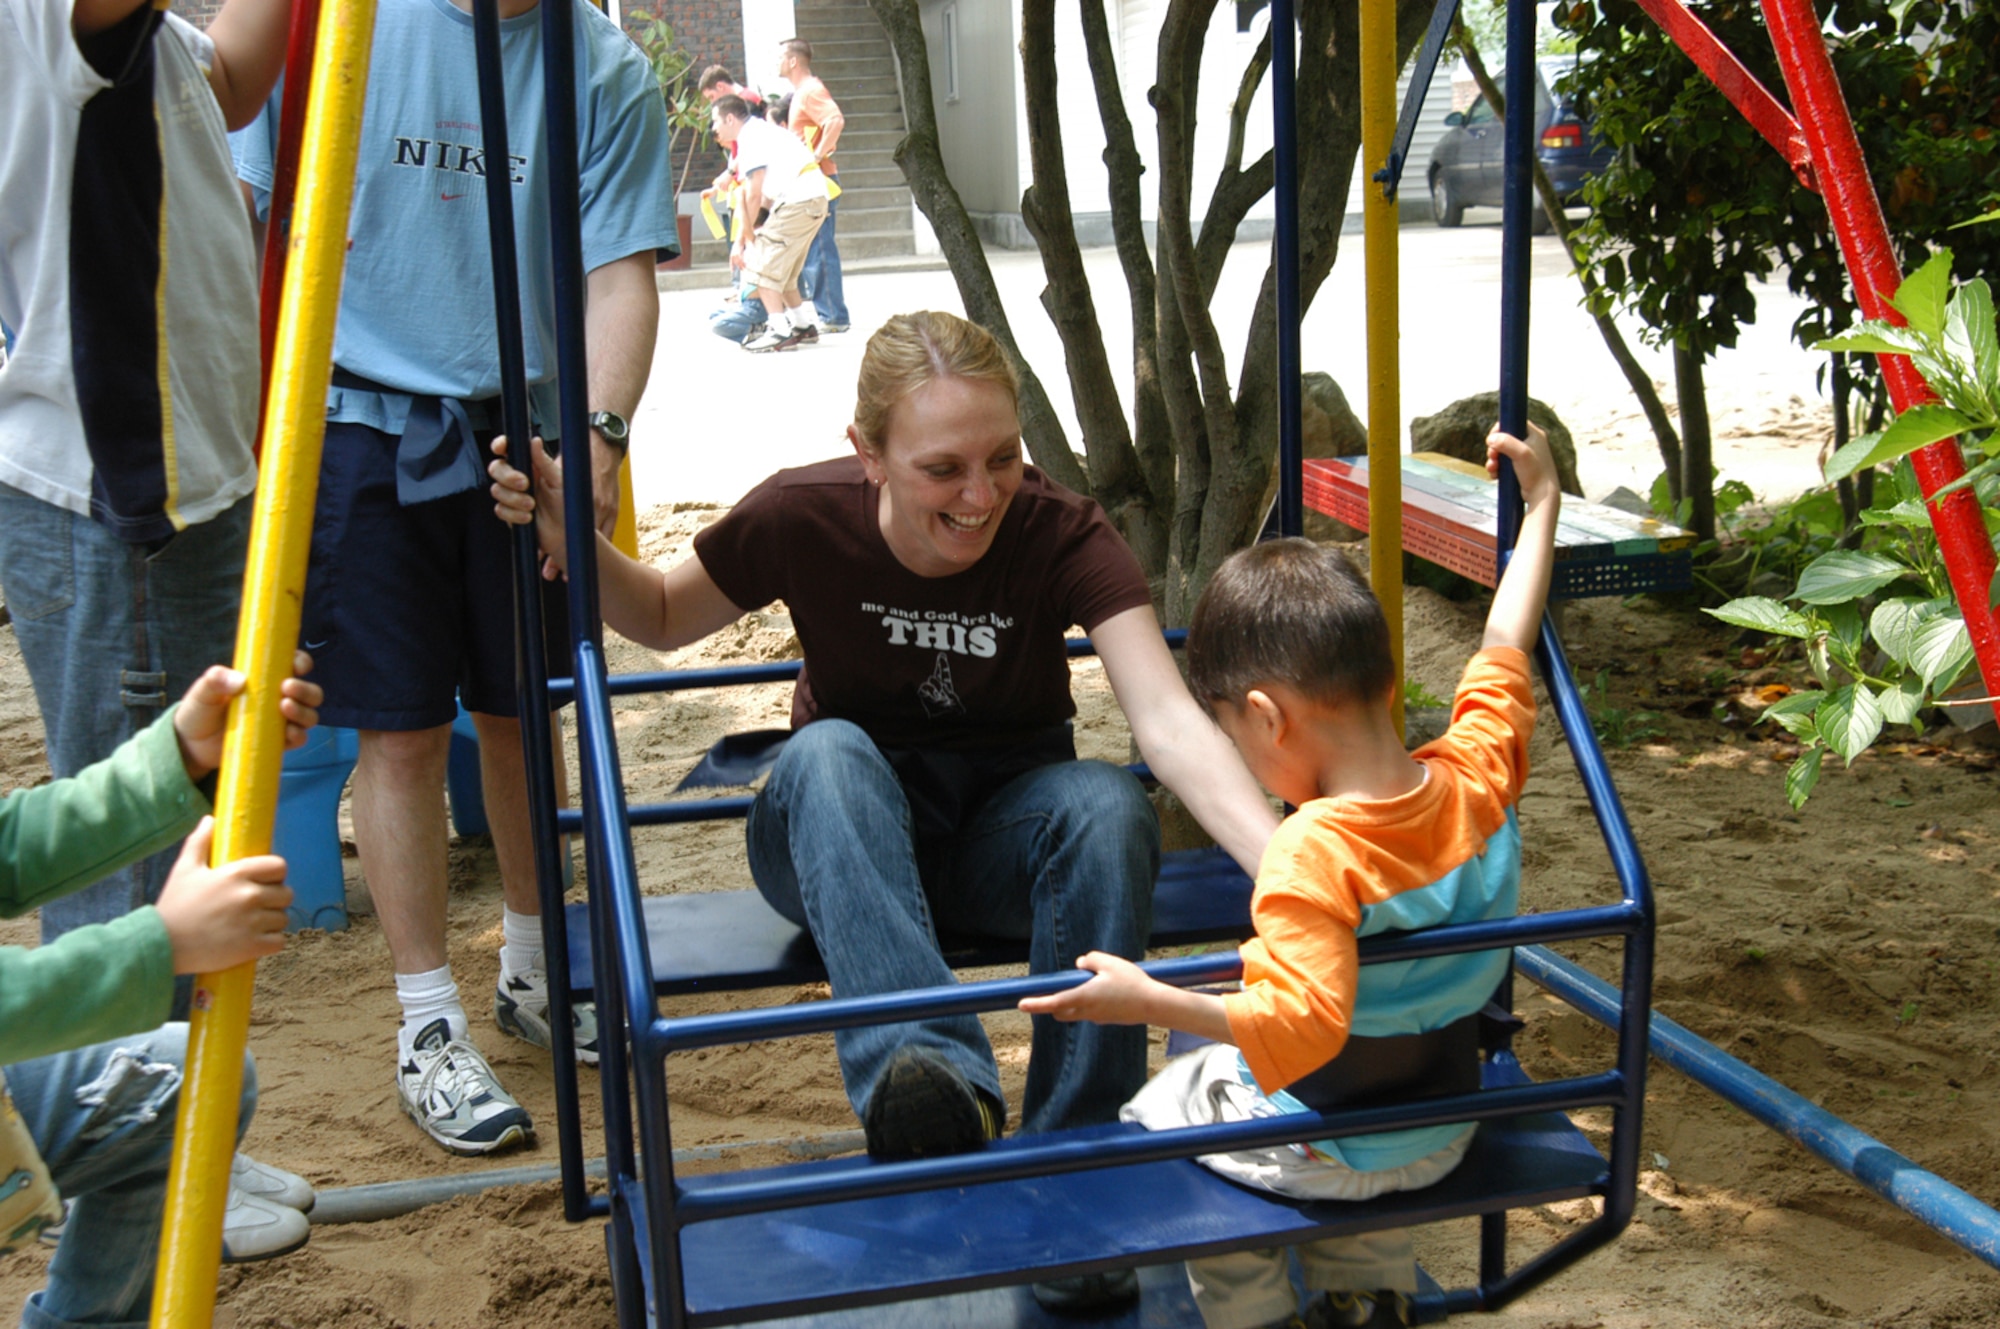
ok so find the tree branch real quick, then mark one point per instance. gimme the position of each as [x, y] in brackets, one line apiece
[1045, 208]
[1594, 298]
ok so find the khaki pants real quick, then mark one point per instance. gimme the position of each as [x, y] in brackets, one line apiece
[778, 254]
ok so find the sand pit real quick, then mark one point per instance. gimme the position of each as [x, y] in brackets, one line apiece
[1853, 952]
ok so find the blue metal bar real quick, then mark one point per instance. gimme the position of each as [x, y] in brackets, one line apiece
[531, 667]
[1923, 1195]
[1285, 262]
[1518, 198]
[1059, 1154]
[777, 671]
[727, 1027]
[619, 931]
[1390, 177]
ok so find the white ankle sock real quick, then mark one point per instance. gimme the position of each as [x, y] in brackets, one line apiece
[522, 947]
[425, 997]
[804, 315]
[780, 324]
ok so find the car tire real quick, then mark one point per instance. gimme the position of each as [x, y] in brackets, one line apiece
[1446, 210]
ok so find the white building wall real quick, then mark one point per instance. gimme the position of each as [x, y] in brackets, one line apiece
[977, 131]
[765, 24]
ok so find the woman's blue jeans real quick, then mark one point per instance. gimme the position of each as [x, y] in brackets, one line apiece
[1065, 856]
[103, 1119]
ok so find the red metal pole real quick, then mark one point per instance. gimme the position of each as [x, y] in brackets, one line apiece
[284, 184]
[1735, 82]
[1871, 265]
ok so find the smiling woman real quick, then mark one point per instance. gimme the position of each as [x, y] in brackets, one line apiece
[930, 783]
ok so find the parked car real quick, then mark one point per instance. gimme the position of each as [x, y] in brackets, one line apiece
[1466, 165]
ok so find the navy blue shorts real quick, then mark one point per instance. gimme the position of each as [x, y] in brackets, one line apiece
[409, 610]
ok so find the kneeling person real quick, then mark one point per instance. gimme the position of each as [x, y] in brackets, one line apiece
[1290, 651]
[780, 173]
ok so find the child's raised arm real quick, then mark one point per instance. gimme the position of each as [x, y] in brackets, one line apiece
[218, 918]
[1516, 617]
[1123, 993]
[200, 718]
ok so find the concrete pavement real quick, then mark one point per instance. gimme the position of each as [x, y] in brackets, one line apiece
[717, 419]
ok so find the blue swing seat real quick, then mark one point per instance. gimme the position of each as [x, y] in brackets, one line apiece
[818, 1259]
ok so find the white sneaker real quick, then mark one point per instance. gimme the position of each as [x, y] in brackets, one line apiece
[521, 1008]
[265, 1182]
[254, 1228]
[454, 1097]
[770, 339]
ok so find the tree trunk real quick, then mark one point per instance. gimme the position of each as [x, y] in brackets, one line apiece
[922, 164]
[1697, 464]
[1594, 298]
[1115, 477]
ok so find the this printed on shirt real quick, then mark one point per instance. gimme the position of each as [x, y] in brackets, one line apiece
[944, 633]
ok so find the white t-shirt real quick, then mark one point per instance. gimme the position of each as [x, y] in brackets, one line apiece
[126, 275]
[790, 173]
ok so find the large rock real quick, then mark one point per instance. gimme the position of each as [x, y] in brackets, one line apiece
[1460, 430]
[1328, 428]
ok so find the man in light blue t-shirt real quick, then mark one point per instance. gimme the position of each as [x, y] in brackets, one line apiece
[408, 606]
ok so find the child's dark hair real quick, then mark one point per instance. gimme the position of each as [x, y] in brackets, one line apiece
[1288, 611]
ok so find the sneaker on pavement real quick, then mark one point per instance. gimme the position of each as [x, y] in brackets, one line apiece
[265, 1182]
[921, 1107]
[836, 328]
[254, 1228]
[453, 1095]
[767, 339]
[521, 1008]
[805, 336]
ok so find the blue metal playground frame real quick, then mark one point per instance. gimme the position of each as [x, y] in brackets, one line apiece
[649, 1211]
[647, 1208]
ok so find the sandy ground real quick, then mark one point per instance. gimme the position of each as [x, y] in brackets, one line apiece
[1851, 952]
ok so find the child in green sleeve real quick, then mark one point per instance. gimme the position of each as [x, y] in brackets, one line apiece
[93, 1095]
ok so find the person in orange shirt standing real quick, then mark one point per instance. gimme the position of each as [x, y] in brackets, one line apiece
[816, 118]
[1290, 652]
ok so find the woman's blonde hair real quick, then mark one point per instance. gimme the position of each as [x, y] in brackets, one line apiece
[913, 349]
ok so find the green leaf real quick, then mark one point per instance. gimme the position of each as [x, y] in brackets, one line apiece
[1762, 614]
[1993, 591]
[1816, 659]
[1895, 624]
[1849, 720]
[1803, 775]
[1845, 575]
[1942, 648]
[1921, 297]
[1845, 629]
[1795, 703]
[1857, 454]
[1901, 703]
[1874, 338]
[1970, 336]
[1917, 427]
[1909, 515]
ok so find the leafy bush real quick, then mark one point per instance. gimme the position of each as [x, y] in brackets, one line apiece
[1881, 631]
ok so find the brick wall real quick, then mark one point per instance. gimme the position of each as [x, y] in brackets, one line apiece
[197, 12]
[712, 32]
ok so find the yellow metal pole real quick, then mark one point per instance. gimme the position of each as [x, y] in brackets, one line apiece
[1385, 405]
[625, 537]
[253, 745]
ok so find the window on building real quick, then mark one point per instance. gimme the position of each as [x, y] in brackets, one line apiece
[949, 61]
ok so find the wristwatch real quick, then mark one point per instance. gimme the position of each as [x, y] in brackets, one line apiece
[616, 430]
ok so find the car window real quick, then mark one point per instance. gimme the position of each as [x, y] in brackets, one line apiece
[1480, 114]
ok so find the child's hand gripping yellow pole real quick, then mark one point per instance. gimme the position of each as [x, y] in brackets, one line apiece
[254, 744]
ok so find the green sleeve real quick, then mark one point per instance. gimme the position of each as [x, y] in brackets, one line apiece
[60, 837]
[89, 985]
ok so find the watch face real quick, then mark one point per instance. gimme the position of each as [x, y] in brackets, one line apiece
[613, 427]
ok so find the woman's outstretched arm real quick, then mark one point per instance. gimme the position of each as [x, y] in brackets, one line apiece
[1178, 740]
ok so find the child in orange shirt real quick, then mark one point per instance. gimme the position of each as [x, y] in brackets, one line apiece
[1290, 651]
